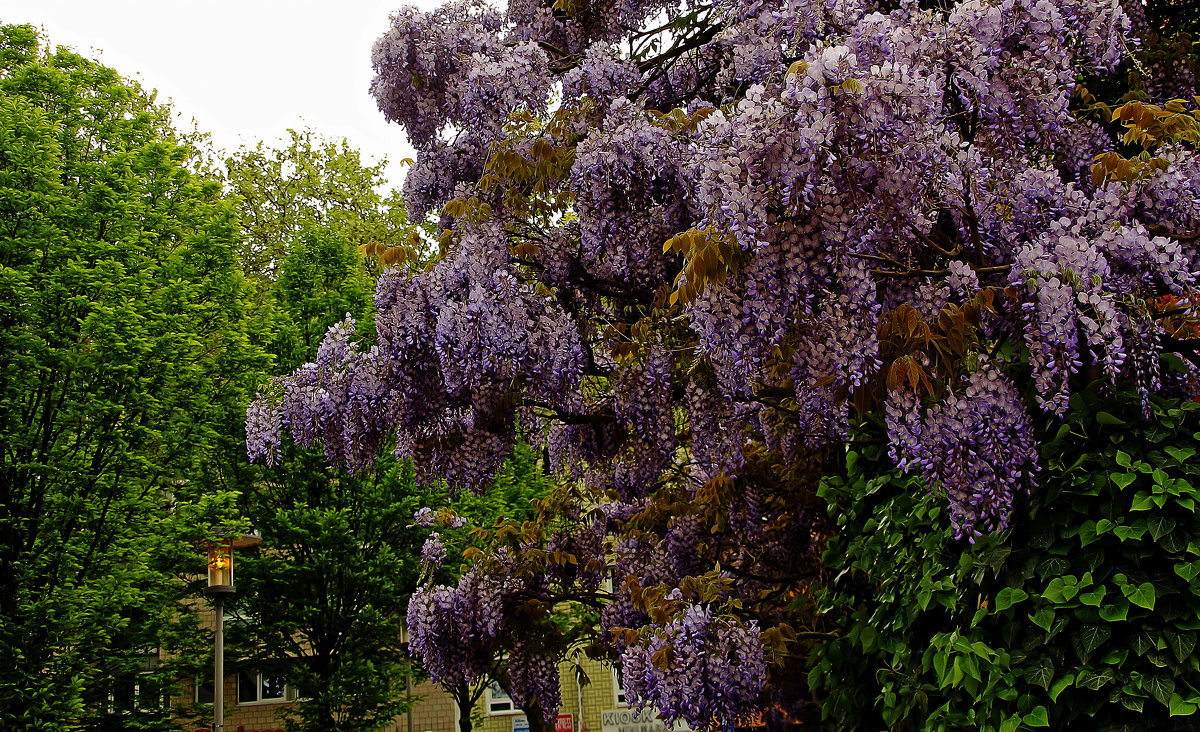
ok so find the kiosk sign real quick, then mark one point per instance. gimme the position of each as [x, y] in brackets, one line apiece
[627, 720]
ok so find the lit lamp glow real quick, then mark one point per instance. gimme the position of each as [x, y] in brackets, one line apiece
[220, 566]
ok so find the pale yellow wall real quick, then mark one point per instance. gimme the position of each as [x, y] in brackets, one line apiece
[436, 710]
[598, 696]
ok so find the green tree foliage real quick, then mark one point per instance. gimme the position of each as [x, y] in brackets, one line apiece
[322, 280]
[1083, 617]
[310, 183]
[122, 346]
[321, 601]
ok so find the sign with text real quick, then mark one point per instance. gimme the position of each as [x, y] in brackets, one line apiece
[627, 720]
[520, 723]
[564, 723]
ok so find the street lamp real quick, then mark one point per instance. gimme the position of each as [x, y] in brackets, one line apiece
[220, 585]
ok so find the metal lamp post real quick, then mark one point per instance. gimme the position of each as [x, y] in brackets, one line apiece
[220, 585]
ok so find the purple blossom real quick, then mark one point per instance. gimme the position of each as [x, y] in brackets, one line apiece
[975, 445]
[715, 669]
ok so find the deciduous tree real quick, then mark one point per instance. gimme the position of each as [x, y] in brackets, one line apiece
[122, 346]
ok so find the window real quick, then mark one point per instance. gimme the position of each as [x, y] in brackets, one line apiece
[204, 689]
[498, 701]
[254, 687]
[139, 690]
[619, 687]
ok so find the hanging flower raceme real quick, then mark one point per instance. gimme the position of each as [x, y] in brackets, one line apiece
[701, 668]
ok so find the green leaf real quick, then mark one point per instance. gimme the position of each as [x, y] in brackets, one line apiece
[1124, 533]
[1181, 644]
[1053, 567]
[1037, 718]
[1123, 479]
[1160, 687]
[1181, 454]
[1011, 724]
[1180, 708]
[980, 614]
[1008, 597]
[1041, 674]
[1160, 526]
[1117, 611]
[1173, 543]
[1142, 595]
[1143, 642]
[1123, 459]
[1061, 589]
[1109, 419]
[1059, 684]
[1089, 638]
[1142, 501]
[869, 638]
[1133, 703]
[1087, 533]
[1188, 570]
[1094, 680]
[1094, 597]
[1043, 618]
[939, 665]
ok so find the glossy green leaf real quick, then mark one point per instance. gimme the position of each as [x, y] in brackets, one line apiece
[1008, 597]
[1143, 595]
[1159, 686]
[1180, 454]
[1181, 643]
[1094, 597]
[1177, 707]
[1116, 611]
[1042, 673]
[1091, 637]
[1094, 680]
[1059, 684]
[1123, 479]
[1160, 525]
[1043, 618]
[1037, 718]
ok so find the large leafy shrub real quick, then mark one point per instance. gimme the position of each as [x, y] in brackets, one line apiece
[1082, 616]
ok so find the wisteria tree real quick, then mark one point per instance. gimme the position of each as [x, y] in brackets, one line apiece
[695, 248]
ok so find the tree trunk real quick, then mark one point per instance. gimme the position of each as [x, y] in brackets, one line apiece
[537, 719]
[462, 697]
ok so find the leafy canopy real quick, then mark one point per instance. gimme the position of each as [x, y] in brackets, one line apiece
[122, 329]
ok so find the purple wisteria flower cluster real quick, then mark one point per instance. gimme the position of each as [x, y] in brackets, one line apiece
[669, 236]
[976, 445]
[700, 668]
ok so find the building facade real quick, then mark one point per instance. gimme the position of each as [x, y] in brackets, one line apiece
[258, 703]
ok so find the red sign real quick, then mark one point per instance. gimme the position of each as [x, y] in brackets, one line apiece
[564, 723]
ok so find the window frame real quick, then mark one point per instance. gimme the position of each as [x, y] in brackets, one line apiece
[489, 699]
[135, 694]
[288, 694]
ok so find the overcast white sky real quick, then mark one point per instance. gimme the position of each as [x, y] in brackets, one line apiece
[245, 70]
